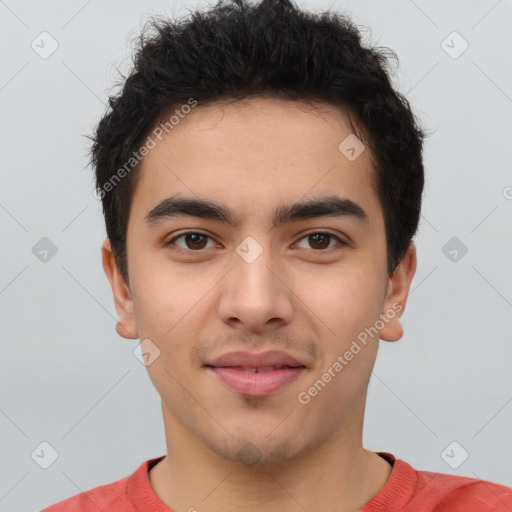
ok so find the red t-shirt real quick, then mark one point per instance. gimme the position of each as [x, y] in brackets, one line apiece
[407, 490]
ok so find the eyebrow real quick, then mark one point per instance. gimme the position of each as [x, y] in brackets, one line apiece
[329, 206]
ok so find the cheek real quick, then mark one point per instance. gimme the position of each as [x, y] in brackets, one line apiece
[165, 300]
[343, 302]
[351, 305]
[170, 311]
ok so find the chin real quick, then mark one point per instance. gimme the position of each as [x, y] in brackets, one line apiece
[257, 452]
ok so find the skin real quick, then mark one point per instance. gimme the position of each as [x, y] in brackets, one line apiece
[199, 300]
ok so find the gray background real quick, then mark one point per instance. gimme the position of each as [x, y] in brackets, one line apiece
[68, 379]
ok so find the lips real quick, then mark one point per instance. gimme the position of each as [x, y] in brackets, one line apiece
[256, 375]
[271, 359]
[253, 369]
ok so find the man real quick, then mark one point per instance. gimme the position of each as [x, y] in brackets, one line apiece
[261, 183]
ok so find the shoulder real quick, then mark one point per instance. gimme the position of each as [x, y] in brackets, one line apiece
[104, 497]
[128, 494]
[412, 490]
[452, 493]
[120, 495]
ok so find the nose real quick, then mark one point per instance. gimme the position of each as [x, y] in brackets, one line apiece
[255, 295]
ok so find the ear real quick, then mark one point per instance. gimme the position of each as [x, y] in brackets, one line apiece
[396, 295]
[126, 326]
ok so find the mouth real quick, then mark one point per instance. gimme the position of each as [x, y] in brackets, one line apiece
[256, 369]
[257, 382]
[256, 375]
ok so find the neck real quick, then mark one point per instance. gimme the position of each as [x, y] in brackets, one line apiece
[337, 475]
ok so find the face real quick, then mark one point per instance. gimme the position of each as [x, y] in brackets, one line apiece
[255, 283]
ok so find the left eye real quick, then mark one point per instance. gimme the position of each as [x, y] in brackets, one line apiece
[195, 241]
[322, 239]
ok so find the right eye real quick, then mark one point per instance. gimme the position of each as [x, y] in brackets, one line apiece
[194, 241]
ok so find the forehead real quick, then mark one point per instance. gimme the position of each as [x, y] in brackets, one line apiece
[256, 153]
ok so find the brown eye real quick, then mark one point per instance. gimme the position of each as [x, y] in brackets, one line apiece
[319, 241]
[193, 241]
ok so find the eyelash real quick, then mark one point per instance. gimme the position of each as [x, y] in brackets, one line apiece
[172, 240]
